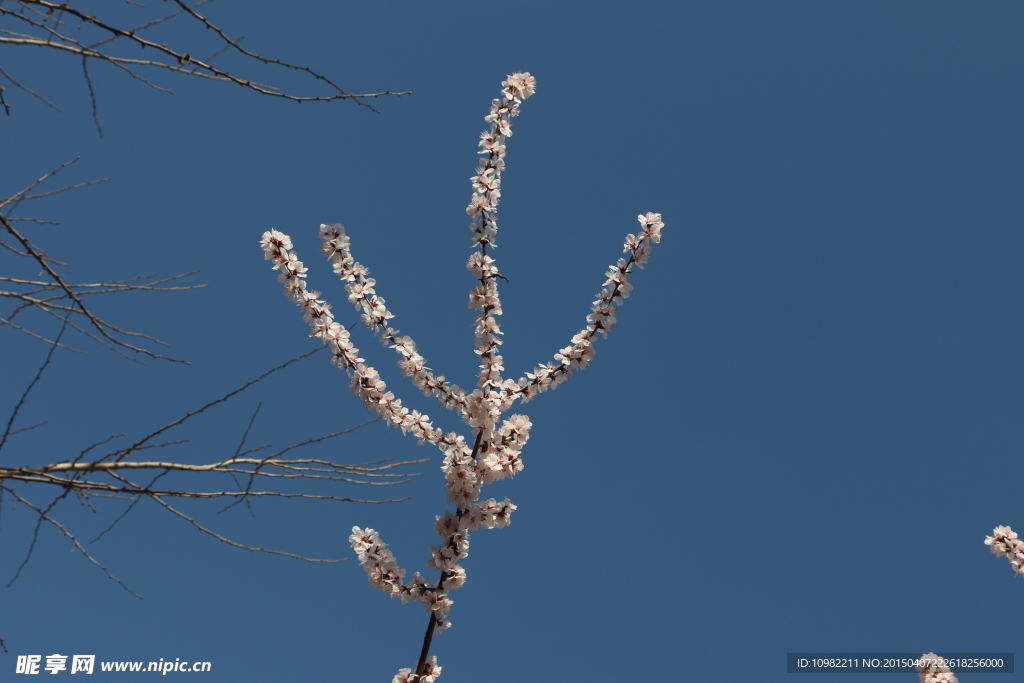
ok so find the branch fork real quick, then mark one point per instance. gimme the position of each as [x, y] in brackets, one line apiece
[497, 439]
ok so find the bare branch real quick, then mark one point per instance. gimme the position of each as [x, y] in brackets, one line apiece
[113, 286]
[44, 516]
[149, 24]
[131, 449]
[31, 92]
[102, 327]
[62, 298]
[16, 197]
[7, 321]
[90, 476]
[35, 220]
[26, 198]
[224, 539]
[28, 390]
[110, 476]
[92, 95]
[46, 30]
[26, 429]
[60, 474]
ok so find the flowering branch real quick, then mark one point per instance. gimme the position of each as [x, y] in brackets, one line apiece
[932, 669]
[497, 440]
[1004, 541]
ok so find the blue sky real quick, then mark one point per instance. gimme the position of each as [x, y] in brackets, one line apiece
[796, 440]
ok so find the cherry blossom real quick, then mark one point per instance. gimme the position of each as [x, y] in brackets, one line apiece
[430, 674]
[1004, 542]
[493, 449]
[932, 669]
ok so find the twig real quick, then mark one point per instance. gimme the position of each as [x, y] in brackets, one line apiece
[28, 90]
[28, 390]
[43, 515]
[92, 95]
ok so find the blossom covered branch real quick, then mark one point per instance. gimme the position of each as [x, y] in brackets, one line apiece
[1004, 542]
[932, 669]
[497, 441]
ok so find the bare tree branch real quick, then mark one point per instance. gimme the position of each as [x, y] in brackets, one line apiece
[31, 92]
[44, 27]
[44, 516]
[123, 476]
[108, 475]
[9, 430]
[59, 298]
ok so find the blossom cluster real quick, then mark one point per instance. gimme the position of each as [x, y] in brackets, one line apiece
[430, 673]
[1004, 541]
[932, 669]
[497, 440]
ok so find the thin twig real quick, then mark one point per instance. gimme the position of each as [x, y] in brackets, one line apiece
[28, 390]
[92, 95]
[43, 515]
[63, 189]
[28, 90]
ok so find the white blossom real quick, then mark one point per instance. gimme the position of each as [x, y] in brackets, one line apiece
[377, 561]
[431, 673]
[493, 451]
[1004, 542]
[932, 669]
[403, 676]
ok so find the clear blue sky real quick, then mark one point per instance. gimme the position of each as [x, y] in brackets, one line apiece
[797, 438]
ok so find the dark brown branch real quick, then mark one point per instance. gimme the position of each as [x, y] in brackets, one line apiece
[428, 637]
